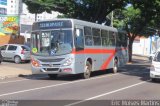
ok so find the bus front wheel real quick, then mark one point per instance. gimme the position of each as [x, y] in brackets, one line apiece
[87, 71]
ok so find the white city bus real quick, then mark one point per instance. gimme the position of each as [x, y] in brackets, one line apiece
[70, 46]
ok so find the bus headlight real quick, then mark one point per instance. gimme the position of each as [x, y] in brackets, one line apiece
[35, 63]
[68, 62]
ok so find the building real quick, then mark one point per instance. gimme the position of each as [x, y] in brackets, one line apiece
[146, 46]
[3, 7]
[26, 19]
[13, 7]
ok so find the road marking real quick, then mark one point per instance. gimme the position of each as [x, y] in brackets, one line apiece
[108, 93]
[123, 72]
[13, 81]
[132, 72]
[50, 86]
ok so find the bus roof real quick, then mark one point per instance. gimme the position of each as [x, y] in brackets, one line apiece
[84, 23]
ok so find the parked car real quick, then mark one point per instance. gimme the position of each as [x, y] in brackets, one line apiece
[155, 67]
[15, 52]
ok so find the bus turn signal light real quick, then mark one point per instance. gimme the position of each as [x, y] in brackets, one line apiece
[35, 63]
[67, 70]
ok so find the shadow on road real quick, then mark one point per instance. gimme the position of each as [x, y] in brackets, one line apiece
[65, 77]
[139, 68]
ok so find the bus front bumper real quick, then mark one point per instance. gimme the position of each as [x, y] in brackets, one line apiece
[52, 70]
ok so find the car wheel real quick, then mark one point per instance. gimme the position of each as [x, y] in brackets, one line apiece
[87, 71]
[52, 76]
[17, 59]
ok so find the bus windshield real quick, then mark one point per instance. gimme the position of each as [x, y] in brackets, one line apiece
[55, 42]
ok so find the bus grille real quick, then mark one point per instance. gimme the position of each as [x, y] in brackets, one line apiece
[51, 69]
[51, 60]
[51, 65]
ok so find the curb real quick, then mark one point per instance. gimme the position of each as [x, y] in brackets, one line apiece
[15, 76]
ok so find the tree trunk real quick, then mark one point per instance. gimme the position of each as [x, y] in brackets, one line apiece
[130, 49]
[35, 17]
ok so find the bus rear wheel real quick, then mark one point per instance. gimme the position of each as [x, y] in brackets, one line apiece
[87, 71]
[52, 76]
[115, 67]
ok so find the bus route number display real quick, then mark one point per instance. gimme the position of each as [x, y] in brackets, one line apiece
[53, 24]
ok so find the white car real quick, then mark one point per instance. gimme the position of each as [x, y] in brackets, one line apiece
[155, 67]
[15, 52]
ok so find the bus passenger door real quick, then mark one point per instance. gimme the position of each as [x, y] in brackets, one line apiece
[79, 47]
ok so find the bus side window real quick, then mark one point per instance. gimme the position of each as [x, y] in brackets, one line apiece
[79, 39]
[112, 38]
[88, 36]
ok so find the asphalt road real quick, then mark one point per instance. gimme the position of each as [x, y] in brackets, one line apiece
[131, 83]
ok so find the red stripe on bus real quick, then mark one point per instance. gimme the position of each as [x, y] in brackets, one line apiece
[106, 63]
[100, 51]
[93, 51]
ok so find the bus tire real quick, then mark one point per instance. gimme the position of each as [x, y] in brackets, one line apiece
[52, 76]
[87, 71]
[115, 66]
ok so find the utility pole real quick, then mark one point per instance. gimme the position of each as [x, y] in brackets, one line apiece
[19, 16]
[112, 19]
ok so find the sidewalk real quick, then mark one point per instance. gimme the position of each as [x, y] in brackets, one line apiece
[9, 72]
[141, 57]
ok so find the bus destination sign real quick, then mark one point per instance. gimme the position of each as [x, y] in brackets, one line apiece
[52, 24]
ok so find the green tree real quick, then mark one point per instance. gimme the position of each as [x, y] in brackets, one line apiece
[142, 14]
[136, 19]
[89, 10]
[34, 7]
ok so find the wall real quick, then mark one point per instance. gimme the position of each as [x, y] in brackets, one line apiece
[146, 46]
[142, 47]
